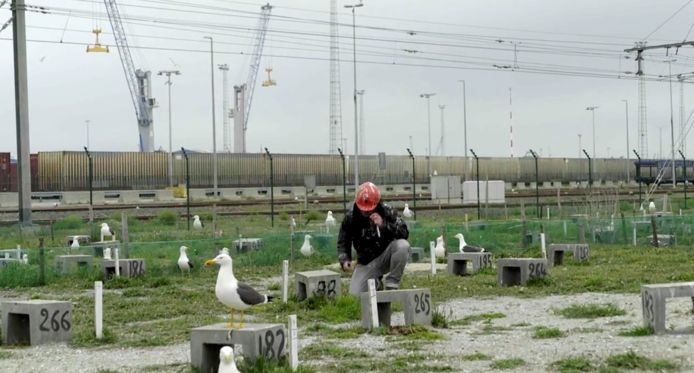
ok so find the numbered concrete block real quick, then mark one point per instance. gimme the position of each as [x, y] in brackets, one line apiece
[416, 254]
[416, 303]
[4, 263]
[518, 271]
[653, 299]
[317, 283]
[268, 341]
[128, 267]
[99, 246]
[70, 263]
[81, 239]
[245, 244]
[35, 322]
[555, 253]
[462, 264]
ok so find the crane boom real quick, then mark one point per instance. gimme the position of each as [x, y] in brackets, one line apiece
[138, 80]
[259, 42]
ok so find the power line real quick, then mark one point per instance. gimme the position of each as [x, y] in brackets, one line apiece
[668, 20]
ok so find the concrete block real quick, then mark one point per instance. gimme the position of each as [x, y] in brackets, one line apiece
[416, 303]
[267, 341]
[245, 244]
[664, 240]
[70, 263]
[99, 246]
[468, 263]
[555, 253]
[518, 271]
[81, 239]
[317, 283]
[653, 299]
[6, 262]
[12, 253]
[416, 254]
[128, 267]
[35, 322]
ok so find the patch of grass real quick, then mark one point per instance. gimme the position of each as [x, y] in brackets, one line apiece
[467, 320]
[632, 360]
[573, 365]
[440, 320]
[322, 350]
[68, 222]
[412, 332]
[637, 331]
[542, 332]
[275, 286]
[590, 311]
[5, 355]
[475, 356]
[167, 217]
[507, 363]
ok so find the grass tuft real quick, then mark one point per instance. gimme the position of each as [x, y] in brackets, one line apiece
[507, 363]
[637, 331]
[573, 364]
[632, 360]
[440, 320]
[542, 332]
[486, 317]
[591, 311]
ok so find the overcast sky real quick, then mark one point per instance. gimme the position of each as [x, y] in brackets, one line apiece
[404, 48]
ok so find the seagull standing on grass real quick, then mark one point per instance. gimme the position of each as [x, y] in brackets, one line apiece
[75, 243]
[407, 212]
[306, 248]
[197, 224]
[465, 248]
[183, 262]
[439, 250]
[330, 221]
[231, 292]
[226, 361]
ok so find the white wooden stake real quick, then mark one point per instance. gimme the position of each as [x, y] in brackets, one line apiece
[98, 309]
[565, 231]
[19, 250]
[634, 235]
[547, 212]
[373, 302]
[294, 343]
[542, 245]
[432, 251]
[115, 252]
[285, 281]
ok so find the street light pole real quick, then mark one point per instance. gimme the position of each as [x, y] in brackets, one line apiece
[91, 177]
[414, 194]
[344, 180]
[590, 172]
[638, 173]
[592, 110]
[684, 176]
[626, 116]
[168, 74]
[477, 176]
[86, 123]
[428, 97]
[214, 125]
[356, 124]
[185, 154]
[672, 126]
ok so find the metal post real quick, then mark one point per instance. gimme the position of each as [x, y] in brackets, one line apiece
[592, 110]
[672, 128]
[91, 176]
[272, 190]
[214, 126]
[21, 101]
[626, 116]
[477, 176]
[187, 188]
[537, 187]
[356, 124]
[684, 176]
[414, 186]
[344, 181]
[638, 174]
[590, 172]
[428, 97]
[168, 74]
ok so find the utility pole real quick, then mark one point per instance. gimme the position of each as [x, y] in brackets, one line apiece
[226, 123]
[356, 128]
[168, 74]
[362, 132]
[428, 97]
[672, 126]
[21, 102]
[214, 123]
[442, 141]
[626, 116]
[592, 110]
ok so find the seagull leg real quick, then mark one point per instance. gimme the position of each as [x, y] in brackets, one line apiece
[231, 318]
[241, 322]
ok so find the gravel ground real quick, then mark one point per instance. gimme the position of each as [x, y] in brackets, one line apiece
[595, 339]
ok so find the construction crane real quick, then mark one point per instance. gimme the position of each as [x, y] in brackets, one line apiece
[243, 94]
[139, 81]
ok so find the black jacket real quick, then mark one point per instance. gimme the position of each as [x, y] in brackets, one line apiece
[361, 232]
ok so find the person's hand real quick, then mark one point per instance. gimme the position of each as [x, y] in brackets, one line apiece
[377, 219]
[346, 266]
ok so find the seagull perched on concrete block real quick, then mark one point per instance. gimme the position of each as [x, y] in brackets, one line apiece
[107, 232]
[183, 262]
[439, 250]
[197, 224]
[226, 361]
[306, 248]
[75, 243]
[231, 292]
[330, 221]
[407, 212]
[465, 248]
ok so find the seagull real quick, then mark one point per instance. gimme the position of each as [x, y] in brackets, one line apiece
[292, 224]
[107, 253]
[439, 250]
[306, 248]
[183, 262]
[407, 212]
[197, 224]
[106, 232]
[231, 292]
[651, 207]
[465, 248]
[75, 243]
[226, 361]
[25, 259]
[330, 221]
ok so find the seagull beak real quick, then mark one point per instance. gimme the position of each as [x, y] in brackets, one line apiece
[210, 262]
